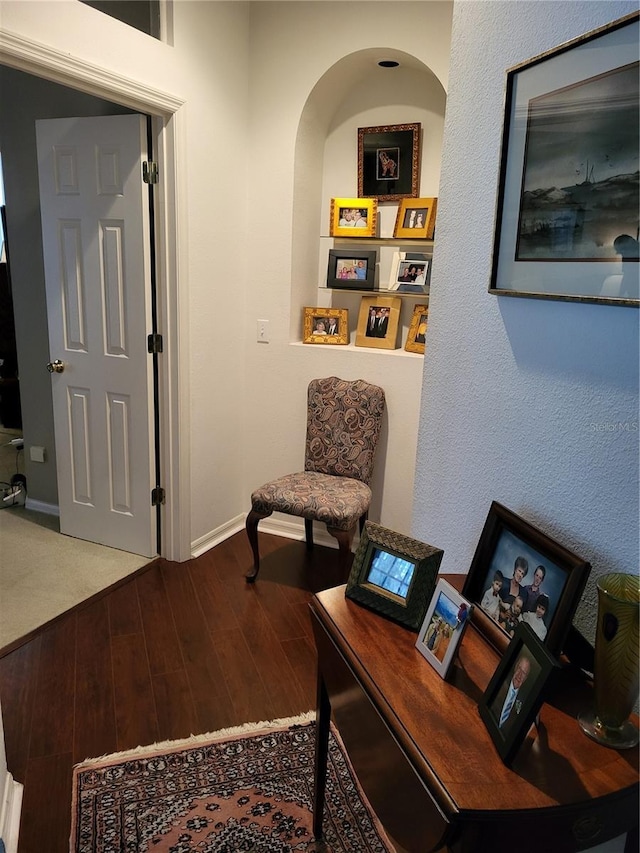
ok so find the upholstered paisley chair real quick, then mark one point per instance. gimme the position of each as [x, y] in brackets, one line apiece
[343, 426]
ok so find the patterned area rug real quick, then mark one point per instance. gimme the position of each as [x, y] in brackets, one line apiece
[236, 791]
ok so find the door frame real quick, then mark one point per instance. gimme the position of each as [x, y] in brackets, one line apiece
[171, 240]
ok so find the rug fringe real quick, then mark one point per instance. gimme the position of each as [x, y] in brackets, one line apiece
[207, 737]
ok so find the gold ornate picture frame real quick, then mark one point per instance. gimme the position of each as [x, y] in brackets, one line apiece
[378, 322]
[417, 330]
[353, 217]
[325, 326]
[416, 218]
[389, 161]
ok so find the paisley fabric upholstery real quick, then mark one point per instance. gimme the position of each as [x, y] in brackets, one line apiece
[343, 426]
[337, 501]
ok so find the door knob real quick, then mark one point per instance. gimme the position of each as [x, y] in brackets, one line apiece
[56, 366]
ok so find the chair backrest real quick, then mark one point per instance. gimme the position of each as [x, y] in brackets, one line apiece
[343, 425]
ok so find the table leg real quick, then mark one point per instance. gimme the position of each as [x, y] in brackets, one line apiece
[323, 717]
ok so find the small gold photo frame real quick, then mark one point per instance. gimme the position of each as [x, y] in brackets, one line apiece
[326, 326]
[378, 322]
[416, 218]
[353, 217]
[417, 329]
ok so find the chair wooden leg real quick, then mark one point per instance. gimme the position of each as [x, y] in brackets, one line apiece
[251, 526]
[345, 538]
[308, 533]
[362, 522]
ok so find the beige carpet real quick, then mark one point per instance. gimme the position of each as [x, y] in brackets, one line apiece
[43, 573]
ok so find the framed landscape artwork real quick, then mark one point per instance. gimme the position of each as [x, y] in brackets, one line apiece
[567, 222]
[389, 161]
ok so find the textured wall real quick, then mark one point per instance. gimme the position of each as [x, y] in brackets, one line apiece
[533, 403]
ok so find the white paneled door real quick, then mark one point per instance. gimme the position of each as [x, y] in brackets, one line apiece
[95, 228]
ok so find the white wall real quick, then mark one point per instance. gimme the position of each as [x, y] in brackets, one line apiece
[522, 398]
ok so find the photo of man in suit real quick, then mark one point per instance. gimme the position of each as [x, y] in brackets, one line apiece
[509, 699]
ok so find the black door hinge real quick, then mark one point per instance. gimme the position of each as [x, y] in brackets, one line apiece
[154, 343]
[150, 172]
[157, 496]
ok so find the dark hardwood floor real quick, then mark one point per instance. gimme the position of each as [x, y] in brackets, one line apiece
[178, 649]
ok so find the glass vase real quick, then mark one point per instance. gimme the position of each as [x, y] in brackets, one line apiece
[616, 662]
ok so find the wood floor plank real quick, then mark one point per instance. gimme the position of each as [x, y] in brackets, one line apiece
[95, 734]
[46, 805]
[251, 702]
[52, 720]
[212, 591]
[124, 610]
[17, 696]
[303, 660]
[174, 703]
[136, 718]
[157, 619]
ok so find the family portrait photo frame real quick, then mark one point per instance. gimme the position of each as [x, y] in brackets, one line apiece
[378, 322]
[389, 161]
[567, 211]
[514, 560]
[516, 691]
[353, 217]
[352, 269]
[416, 218]
[443, 627]
[416, 336]
[325, 326]
[393, 575]
[410, 272]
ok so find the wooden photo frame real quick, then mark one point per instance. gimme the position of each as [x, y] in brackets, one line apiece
[416, 218]
[325, 326]
[515, 693]
[417, 330]
[393, 575]
[443, 627]
[410, 272]
[352, 269]
[567, 211]
[389, 161]
[378, 322]
[515, 560]
[353, 217]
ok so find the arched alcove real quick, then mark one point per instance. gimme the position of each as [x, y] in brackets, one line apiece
[355, 92]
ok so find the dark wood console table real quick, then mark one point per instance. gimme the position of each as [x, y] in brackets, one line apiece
[427, 762]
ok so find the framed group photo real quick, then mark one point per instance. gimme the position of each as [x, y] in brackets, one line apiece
[416, 218]
[568, 195]
[393, 575]
[416, 337]
[410, 272]
[516, 692]
[378, 322]
[353, 217]
[443, 627]
[389, 161]
[521, 575]
[352, 269]
[325, 326]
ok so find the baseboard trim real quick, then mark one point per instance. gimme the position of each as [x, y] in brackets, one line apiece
[41, 506]
[287, 526]
[10, 814]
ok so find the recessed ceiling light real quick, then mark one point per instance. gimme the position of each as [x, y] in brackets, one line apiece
[388, 63]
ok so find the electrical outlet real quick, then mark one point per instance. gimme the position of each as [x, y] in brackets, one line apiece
[263, 331]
